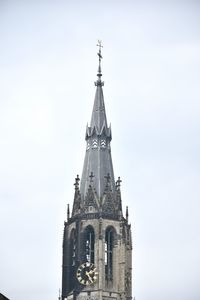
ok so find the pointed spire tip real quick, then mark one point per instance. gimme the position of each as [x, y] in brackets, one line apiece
[99, 74]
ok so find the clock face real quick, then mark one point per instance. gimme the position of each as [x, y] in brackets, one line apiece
[87, 273]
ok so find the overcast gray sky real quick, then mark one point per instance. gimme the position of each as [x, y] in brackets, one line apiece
[151, 69]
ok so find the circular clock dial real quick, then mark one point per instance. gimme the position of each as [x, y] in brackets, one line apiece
[87, 273]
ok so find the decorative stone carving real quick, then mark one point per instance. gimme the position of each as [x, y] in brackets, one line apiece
[90, 200]
[88, 145]
[103, 143]
[94, 144]
[108, 203]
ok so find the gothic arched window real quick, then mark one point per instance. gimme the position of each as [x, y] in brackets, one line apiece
[109, 239]
[89, 244]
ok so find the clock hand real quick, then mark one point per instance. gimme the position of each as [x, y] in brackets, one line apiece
[88, 274]
[93, 271]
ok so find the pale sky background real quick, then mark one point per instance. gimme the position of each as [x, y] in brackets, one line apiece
[151, 69]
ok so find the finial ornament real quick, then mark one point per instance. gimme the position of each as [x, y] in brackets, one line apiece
[127, 214]
[68, 212]
[59, 296]
[108, 178]
[91, 177]
[100, 46]
[118, 183]
[76, 184]
[99, 74]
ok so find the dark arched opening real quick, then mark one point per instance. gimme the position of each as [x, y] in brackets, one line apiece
[109, 241]
[89, 244]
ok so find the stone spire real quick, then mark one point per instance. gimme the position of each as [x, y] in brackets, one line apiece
[98, 159]
[96, 231]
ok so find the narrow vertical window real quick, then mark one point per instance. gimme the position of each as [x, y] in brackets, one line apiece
[73, 248]
[109, 254]
[89, 244]
[72, 260]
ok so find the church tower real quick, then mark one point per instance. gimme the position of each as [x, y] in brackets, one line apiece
[97, 248]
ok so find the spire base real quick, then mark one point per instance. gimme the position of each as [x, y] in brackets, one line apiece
[99, 83]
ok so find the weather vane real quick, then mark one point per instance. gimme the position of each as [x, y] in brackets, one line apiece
[99, 74]
[100, 46]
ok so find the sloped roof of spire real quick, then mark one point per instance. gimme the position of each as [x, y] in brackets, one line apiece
[98, 158]
[98, 119]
